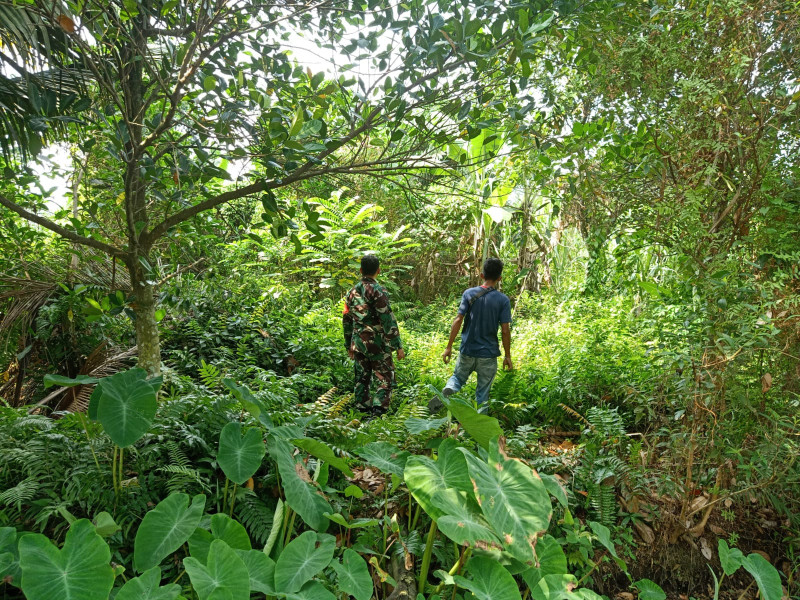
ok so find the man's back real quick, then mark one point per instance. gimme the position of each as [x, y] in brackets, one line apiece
[481, 321]
[369, 321]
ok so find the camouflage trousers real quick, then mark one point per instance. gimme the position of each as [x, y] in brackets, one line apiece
[383, 370]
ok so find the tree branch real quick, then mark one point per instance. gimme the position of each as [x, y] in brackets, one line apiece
[63, 232]
[151, 236]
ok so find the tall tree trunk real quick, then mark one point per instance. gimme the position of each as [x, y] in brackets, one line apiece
[527, 257]
[131, 68]
[147, 338]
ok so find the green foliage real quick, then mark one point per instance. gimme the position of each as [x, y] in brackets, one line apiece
[147, 586]
[166, 528]
[489, 580]
[240, 455]
[354, 577]
[80, 569]
[125, 404]
[301, 493]
[303, 557]
[223, 575]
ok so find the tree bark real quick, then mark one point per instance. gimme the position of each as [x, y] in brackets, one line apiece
[148, 341]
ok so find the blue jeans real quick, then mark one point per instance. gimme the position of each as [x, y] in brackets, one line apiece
[486, 368]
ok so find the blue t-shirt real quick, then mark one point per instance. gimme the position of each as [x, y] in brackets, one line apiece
[479, 335]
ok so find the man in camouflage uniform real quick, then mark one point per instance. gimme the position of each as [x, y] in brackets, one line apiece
[370, 336]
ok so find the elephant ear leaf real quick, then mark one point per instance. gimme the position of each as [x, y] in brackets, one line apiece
[354, 577]
[166, 528]
[80, 569]
[513, 499]
[385, 456]
[222, 528]
[482, 428]
[240, 456]
[303, 557]
[224, 576]
[9, 556]
[148, 587]
[302, 495]
[489, 580]
[766, 576]
[127, 405]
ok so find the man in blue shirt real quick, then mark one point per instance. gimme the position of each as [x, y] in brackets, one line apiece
[483, 309]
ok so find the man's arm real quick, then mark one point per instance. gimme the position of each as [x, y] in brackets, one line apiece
[505, 332]
[454, 329]
[347, 327]
[391, 332]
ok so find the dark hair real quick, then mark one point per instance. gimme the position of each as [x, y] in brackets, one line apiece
[369, 265]
[492, 268]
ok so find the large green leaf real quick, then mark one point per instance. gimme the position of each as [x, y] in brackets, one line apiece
[766, 576]
[603, 534]
[166, 528]
[552, 561]
[384, 456]
[432, 487]
[222, 528]
[415, 425]
[730, 558]
[80, 569]
[105, 525]
[469, 529]
[453, 466]
[240, 456]
[313, 590]
[223, 576]
[354, 524]
[444, 491]
[513, 499]
[423, 478]
[482, 428]
[555, 488]
[650, 590]
[148, 587]
[301, 495]
[261, 569]
[556, 587]
[303, 557]
[354, 577]
[323, 452]
[9, 556]
[62, 381]
[251, 404]
[489, 580]
[127, 405]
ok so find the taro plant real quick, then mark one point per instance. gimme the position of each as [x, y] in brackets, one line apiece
[221, 561]
[125, 404]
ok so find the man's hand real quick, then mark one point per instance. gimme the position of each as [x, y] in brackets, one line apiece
[446, 355]
[507, 364]
[401, 354]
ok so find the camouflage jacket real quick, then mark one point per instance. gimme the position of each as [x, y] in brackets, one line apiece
[369, 325]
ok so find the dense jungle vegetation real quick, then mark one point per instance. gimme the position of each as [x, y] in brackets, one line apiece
[187, 190]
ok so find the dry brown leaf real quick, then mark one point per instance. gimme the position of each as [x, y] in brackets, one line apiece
[705, 548]
[698, 503]
[66, 23]
[766, 382]
[645, 532]
[301, 471]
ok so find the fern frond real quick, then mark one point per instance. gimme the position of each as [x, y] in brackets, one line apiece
[256, 517]
[575, 414]
[209, 374]
[20, 494]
